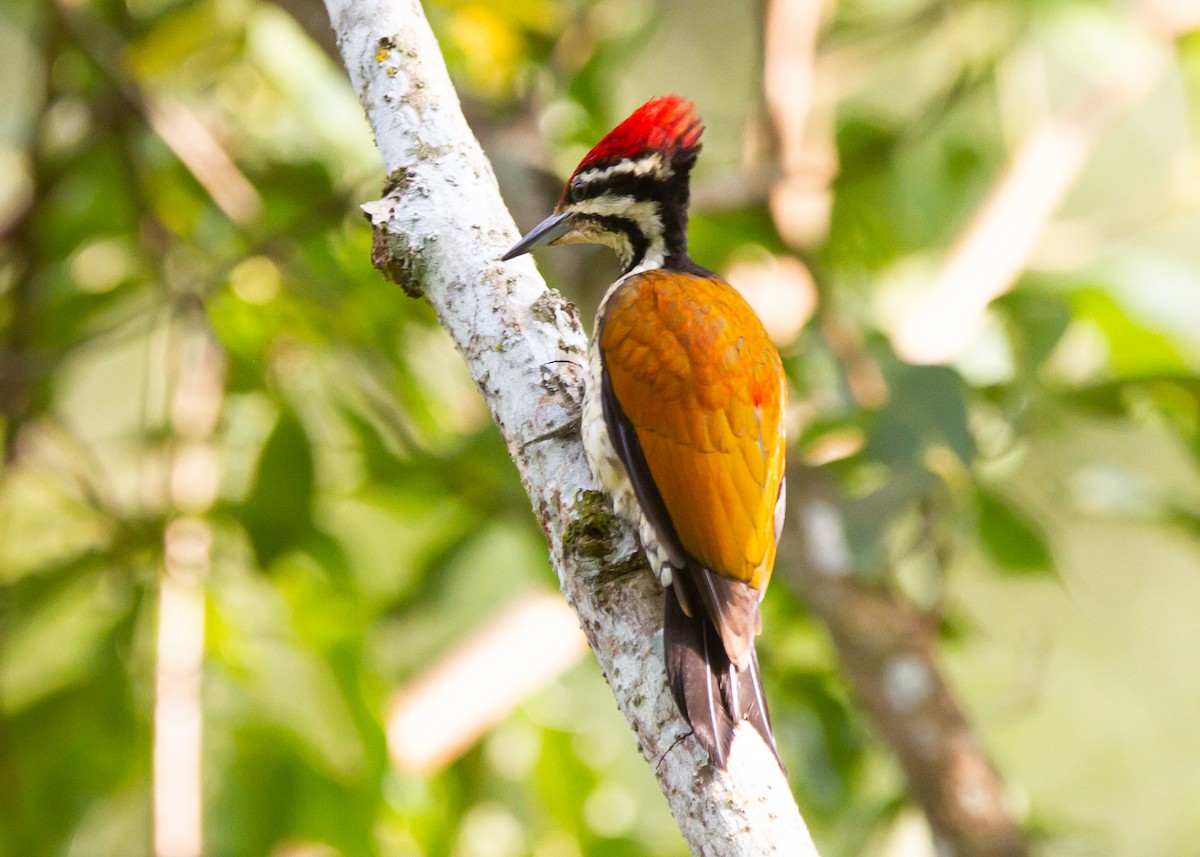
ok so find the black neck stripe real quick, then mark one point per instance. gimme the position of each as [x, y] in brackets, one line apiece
[638, 242]
[671, 195]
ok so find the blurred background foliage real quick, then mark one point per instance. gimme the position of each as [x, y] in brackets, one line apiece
[212, 406]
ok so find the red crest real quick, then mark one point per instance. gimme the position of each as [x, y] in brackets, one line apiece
[666, 124]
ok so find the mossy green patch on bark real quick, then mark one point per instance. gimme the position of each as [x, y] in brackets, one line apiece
[595, 532]
[593, 525]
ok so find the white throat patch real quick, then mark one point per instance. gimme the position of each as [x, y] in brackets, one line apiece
[643, 213]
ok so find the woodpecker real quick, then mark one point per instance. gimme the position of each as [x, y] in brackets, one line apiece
[682, 414]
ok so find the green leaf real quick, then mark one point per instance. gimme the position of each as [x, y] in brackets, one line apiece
[1010, 538]
[1036, 323]
[926, 408]
[56, 642]
[1135, 347]
[1106, 400]
[278, 513]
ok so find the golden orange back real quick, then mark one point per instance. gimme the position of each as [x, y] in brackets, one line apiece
[697, 376]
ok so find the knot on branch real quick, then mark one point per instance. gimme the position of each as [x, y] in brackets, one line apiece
[397, 262]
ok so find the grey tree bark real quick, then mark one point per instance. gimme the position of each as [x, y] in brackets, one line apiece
[439, 232]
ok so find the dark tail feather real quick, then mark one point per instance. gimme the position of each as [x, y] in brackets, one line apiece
[754, 703]
[711, 693]
[696, 663]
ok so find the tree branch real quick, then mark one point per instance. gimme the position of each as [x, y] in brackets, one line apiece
[439, 232]
[887, 649]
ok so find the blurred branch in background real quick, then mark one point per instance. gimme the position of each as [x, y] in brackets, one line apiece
[443, 711]
[995, 247]
[199, 151]
[196, 367]
[801, 198]
[887, 649]
[188, 138]
[178, 714]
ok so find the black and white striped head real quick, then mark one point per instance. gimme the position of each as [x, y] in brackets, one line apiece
[631, 191]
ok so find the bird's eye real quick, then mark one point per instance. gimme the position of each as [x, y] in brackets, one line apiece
[578, 190]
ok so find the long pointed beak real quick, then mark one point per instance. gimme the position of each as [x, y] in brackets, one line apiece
[551, 229]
